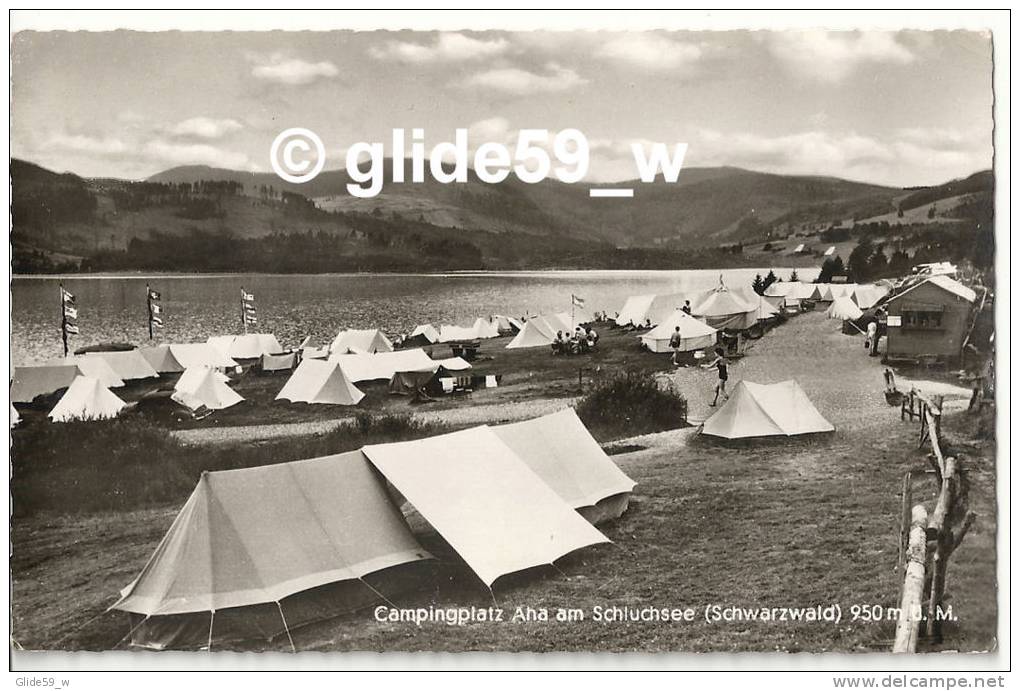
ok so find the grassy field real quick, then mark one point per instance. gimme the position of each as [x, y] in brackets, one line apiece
[781, 523]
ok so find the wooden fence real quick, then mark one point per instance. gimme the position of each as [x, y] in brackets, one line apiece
[928, 540]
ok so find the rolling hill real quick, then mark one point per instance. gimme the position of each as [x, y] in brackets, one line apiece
[232, 219]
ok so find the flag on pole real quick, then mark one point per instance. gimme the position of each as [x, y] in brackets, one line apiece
[153, 294]
[154, 309]
[576, 301]
[71, 329]
[70, 312]
[249, 313]
[67, 297]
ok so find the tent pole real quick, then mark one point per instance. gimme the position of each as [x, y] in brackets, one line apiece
[285, 627]
[386, 599]
[493, 596]
[212, 617]
[553, 564]
[128, 635]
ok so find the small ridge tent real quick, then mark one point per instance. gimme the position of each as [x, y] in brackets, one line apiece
[694, 334]
[422, 335]
[760, 410]
[561, 451]
[454, 364]
[32, 381]
[724, 310]
[831, 291]
[94, 367]
[484, 501]
[200, 355]
[251, 552]
[320, 381]
[506, 324]
[865, 296]
[634, 309]
[449, 333]
[485, 329]
[361, 341]
[370, 366]
[843, 308]
[764, 309]
[162, 359]
[536, 332]
[246, 346]
[284, 362]
[86, 399]
[128, 364]
[201, 386]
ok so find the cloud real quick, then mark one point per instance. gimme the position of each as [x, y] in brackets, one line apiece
[84, 144]
[448, 47]
[194, 154]
[650, 51]
[204, 128]
[512, 80]
[830, 56]
[292, 71]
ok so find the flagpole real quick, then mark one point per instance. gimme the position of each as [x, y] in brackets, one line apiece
[63, 319]
[148, 307]
[244, 318]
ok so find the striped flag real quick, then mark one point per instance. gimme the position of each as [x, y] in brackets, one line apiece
[70, 328]
[152, 298]
[576, 301]
[67, 297]
[249, 314]
[70, 312]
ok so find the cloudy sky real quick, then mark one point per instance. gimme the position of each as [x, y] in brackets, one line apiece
[906, 108]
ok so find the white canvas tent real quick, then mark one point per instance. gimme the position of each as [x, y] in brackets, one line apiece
[760, 410]
[724, 310]
[360, 341]
[203, 386]
[128, 364]
[484, 500]
[32, 381]
[94, 367]
[563, 453]
[427, 332]
[865, 296]
[86, 399]
[634, 310]
[320, 381]
[367, 367]
[200, 355]
[536, 332]
[246, 346]
[485, 329]
[162, 359]
[505, 324]
[764, 309]
[284, 362]
[694, 334]
[843, 308]
[247, 549]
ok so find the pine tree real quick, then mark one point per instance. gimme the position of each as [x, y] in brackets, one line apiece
[770, 278]
[793, 276]
[758, 284]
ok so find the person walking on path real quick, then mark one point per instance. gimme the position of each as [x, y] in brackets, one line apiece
[675, 341]
[722, 365]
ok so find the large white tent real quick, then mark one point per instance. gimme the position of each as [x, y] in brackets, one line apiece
[32, 381]
[485, 501]
[536, 332]
[634, 310]
[86, 399]
[259, 539]
[246, 346]
[760, 410]
[725, 310]
[370, 366]
[128, 364]
[360, 341]
[865, 296]
[200, 355]
[425, 332]
[694, 334]
[485, 328]
[203, 386]
[561, 451]
[843, 308]
[320, 381]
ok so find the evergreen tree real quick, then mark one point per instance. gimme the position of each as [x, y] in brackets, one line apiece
[793, 276]
[770, 278]
[758, 284]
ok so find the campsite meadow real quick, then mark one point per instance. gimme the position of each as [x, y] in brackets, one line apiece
[796, 523]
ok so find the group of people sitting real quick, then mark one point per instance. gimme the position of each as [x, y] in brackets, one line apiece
[583, 340]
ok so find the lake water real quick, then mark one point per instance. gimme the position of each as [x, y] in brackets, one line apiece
[113, 308]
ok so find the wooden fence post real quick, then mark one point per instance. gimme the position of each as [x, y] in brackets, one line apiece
[913, 584]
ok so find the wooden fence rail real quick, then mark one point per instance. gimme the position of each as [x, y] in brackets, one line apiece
[927, 541]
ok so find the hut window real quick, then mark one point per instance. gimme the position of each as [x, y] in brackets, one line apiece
[922, 319]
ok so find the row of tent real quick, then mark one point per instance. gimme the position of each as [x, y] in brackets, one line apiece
[793, 292]
[541, 330]
[258, 551]
[720, 308]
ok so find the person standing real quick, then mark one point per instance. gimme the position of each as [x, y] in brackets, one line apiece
[722, 366]
[674, 343]
[687, 307]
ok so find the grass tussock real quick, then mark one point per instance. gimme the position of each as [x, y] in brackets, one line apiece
[629, 404]
[132, 463]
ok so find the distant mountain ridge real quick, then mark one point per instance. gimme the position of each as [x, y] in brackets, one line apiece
[63, 217]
